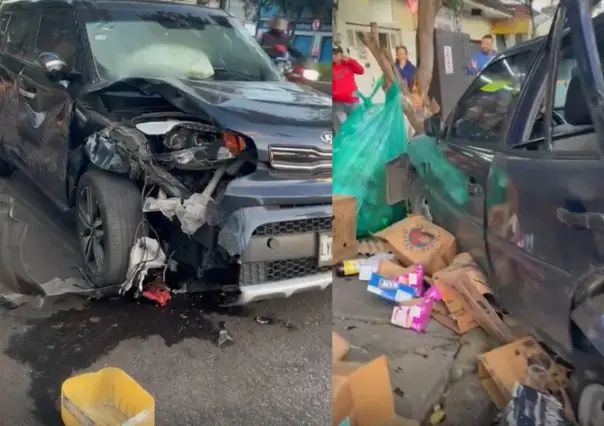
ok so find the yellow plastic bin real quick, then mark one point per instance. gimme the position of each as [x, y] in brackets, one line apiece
[109, 397]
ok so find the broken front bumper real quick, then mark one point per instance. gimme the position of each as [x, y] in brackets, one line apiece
[282, 251]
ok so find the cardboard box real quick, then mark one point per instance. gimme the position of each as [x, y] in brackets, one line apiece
[370, 392]
[414, 240]
[499, 370]
[339, 347]
[344, 228]
[389, 289]
[464, 290]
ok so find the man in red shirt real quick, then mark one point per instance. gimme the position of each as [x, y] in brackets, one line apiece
[343, 84]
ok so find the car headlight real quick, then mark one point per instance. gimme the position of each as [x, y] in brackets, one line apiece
[312, 75]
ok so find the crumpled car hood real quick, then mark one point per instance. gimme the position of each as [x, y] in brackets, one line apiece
[270, 113]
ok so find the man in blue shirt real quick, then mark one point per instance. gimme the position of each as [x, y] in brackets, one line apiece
[481, 58]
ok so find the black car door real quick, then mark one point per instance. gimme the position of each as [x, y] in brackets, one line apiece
[538, 237]
[46, 103]
[16, 52]
[456, 181]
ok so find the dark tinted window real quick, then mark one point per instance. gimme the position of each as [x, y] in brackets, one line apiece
[484, 110]
[57, 35]
[21, 34]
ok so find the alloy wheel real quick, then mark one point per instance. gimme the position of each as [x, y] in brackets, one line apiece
[91, 230]
[591, 405]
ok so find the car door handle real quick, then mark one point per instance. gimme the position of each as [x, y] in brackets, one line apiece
[474, 189]
[587, 220]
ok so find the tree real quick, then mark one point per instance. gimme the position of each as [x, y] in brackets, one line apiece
[416, 97]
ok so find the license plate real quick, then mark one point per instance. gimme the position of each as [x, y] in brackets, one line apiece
[325, 249]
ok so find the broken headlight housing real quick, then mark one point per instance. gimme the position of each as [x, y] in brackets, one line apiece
[197, 146]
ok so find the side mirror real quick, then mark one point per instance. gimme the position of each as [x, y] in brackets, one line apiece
[56, 68]
[432, 126]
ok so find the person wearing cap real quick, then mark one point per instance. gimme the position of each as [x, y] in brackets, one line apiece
[343, 82]
[276, 42]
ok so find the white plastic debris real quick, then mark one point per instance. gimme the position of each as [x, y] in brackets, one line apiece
[146, 254]
[161, 203]
[192, 213]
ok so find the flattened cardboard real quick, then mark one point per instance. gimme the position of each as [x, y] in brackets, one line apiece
[500, 369]
[391, 269]
[481, 309]
[371, 391]
[341, 401]
[343, 225]
[463, 319]
[339, 347]
[414, 240]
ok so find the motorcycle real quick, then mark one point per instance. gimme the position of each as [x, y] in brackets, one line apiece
[301, 70]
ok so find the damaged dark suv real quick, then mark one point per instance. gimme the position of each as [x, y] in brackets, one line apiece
[170, 133]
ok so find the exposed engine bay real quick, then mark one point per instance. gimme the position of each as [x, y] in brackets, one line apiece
[184, 161]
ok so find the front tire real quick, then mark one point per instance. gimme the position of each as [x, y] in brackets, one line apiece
[109, 212]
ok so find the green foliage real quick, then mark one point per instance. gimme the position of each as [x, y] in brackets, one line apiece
[324, 69]
[455, 5]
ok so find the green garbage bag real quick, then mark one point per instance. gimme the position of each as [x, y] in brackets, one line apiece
[372, 135]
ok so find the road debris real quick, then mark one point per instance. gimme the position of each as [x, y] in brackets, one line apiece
[157, 292]
[146, 254]
[270, 320]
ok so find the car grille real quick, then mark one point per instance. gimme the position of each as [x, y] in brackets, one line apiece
[262, 272]
[300, 158]
[315, 224]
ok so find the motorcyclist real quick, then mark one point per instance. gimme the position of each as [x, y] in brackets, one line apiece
[276, 41]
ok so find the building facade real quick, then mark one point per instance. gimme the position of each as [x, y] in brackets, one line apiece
[397, 25]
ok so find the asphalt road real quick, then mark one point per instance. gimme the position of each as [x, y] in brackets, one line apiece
[270, 374]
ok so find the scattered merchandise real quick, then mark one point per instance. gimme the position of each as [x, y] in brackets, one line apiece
[391, 269]
[348, 267]
[414, 278]
[343, 228]
[390, 289]
[417, 315]
[529, 407]
[415, 240]
[370, 265]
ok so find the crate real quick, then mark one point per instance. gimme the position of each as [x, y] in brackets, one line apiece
[109, 397]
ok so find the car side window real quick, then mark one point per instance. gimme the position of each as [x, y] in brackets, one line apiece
[57, 35]
[21, 34]
[484, 110]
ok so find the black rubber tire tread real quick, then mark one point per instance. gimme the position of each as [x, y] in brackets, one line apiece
[120, 205]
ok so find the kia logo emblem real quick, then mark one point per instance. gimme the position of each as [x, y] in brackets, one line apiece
[327, 137]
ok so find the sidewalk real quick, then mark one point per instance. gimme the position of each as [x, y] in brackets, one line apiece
[425, 369]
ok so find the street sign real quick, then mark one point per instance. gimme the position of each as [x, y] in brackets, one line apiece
[316, 24]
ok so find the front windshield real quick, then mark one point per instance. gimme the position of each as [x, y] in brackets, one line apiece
[195, 43]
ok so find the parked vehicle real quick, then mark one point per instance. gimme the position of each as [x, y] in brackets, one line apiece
[186, 134]
[516, 173]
